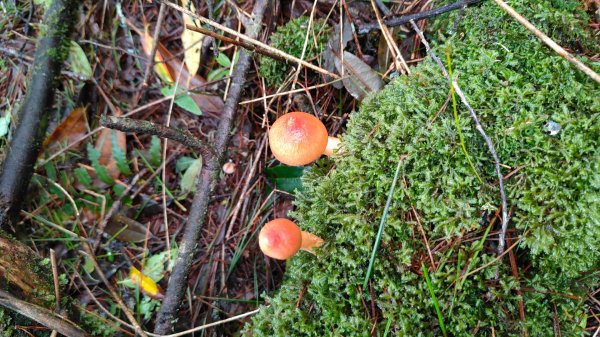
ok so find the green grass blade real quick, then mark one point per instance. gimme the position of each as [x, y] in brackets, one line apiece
[380, 231]
[460, 136]
[435, 301]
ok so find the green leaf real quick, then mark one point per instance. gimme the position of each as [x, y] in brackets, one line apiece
[120, 157]
[183, 100]
[188, 181]
[286, 178]
[101, 172]
[79, 62]
[88, 265]
[217, 74]
[183, 163]
[83, 176]
[154, 152]
[223, 60]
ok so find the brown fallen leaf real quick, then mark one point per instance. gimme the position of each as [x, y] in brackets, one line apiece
[69, 130]
[359, 78]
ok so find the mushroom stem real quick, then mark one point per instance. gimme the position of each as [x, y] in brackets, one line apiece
[333, 145]
[310, 241]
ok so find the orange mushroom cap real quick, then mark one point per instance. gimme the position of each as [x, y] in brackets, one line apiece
[297, 138]
[280, 239]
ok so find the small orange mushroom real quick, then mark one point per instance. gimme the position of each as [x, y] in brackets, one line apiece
[299, 138]
[282, 238]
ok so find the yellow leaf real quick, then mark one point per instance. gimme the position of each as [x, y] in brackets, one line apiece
[146, 284]
[192, 41]
[160, 67]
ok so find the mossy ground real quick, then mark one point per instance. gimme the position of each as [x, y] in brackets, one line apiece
[291, 37]
[517, 86]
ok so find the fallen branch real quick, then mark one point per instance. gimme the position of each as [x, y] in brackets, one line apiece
[398, 21]
[479, 127]
[188, 246]
[148, 128]
[548, 41]
[41, 315]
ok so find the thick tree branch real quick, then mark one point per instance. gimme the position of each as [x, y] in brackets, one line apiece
[148, 128]
[208, 177]
[33, 115]
[401, 20]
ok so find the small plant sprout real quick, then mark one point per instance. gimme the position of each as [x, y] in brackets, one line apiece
[282, 238]
[299, 138]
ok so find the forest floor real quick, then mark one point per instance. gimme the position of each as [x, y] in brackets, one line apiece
[129, 194]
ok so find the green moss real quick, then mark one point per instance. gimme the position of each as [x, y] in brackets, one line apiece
[517, 86]
[290, 39]
[10, 321]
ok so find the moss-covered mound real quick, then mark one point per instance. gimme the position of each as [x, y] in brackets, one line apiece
[544, 119]
[291, 37]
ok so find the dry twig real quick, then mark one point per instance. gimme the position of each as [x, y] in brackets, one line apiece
[487, 139]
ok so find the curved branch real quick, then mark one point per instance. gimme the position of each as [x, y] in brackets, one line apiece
[144, 127]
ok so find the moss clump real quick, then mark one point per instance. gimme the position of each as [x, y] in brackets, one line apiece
[517, 87]
[290, 39]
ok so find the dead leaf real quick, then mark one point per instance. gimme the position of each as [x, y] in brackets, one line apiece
[334, 48]
[69, 130]
[126, 229]
[358, 78]
[192, 41]
[160, 67]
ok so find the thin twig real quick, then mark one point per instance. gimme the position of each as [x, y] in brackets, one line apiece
[249, 41]
[156, 35]
[487, 139]
[548, 41]
[207, 180]
[54, 266]
[398, 21]
[145, 127]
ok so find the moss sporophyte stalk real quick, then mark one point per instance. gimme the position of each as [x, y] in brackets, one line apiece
[520, 91]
